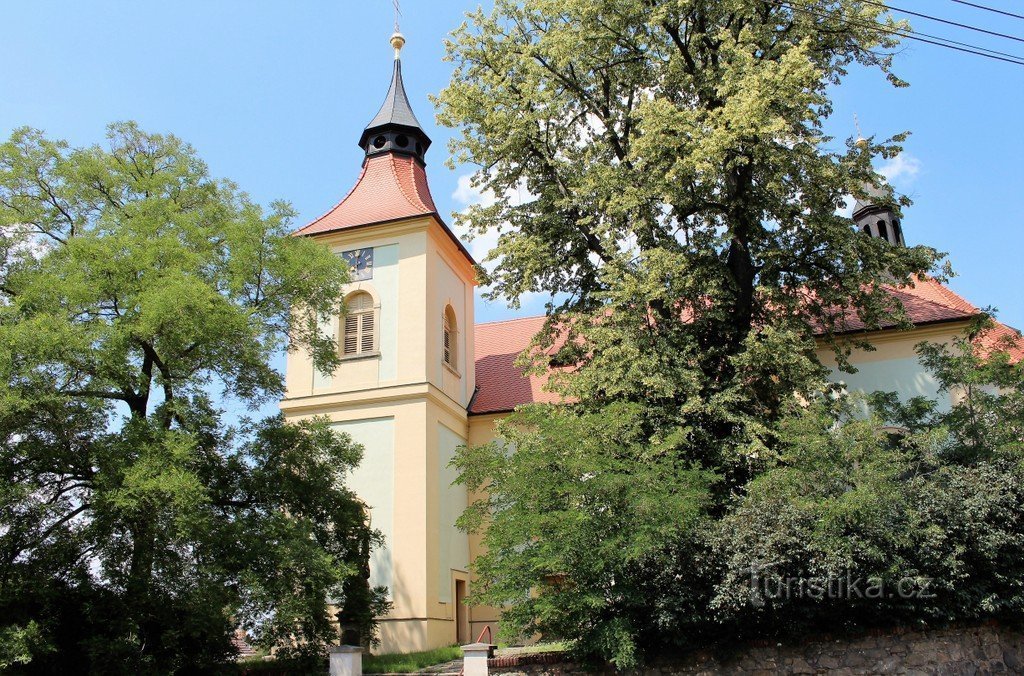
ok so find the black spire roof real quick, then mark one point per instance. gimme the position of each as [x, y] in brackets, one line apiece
[396, 108]
[395, 128]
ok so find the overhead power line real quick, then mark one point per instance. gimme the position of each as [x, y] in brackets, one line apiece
[989, 9]
[1012, 59]
[945, 21]
[916, 34]
[936, 40]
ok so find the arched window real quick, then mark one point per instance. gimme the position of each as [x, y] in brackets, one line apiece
[360, 325]
[867, 230]
[883, 230]
[449, 339]
[897, 231]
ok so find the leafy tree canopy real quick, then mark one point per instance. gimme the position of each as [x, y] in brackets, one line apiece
[660, 170]
[138, 526]
[677, 168]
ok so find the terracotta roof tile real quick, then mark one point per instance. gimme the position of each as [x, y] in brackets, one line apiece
[930, 289]
[390, 187]
[927, 302]
[501, 385]
[1001, 338]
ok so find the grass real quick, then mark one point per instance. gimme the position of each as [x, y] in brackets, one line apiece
[403, 663]
[537, 648]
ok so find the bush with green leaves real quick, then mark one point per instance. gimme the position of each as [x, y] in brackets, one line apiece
[909, 515]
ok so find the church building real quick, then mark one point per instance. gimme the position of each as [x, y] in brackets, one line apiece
[419, 377]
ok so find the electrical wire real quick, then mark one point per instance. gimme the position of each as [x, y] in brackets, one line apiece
[909, 33]
[920, 37]
[989, 9]
[941, 20]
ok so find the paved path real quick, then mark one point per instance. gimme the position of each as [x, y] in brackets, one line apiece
[454, 668]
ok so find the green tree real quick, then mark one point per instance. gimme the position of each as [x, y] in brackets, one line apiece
[930, 509]
[676, 169]
[139, 527]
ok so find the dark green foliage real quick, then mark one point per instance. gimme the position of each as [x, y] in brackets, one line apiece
[596, 535]
[902, 532]
[139, 526]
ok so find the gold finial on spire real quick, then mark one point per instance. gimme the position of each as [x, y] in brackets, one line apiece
[861, 141]
[397, 41]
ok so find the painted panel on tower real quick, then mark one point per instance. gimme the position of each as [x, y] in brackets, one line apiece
[454, 544]
[374, 481]
[385, 278]
[451, 290]
[384, 287]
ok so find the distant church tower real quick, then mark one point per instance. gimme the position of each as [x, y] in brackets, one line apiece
[878, 221]
[406, 376]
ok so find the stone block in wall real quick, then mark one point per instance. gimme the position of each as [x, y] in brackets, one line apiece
[982, 649]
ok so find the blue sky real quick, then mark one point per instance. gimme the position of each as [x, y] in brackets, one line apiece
[274, 95]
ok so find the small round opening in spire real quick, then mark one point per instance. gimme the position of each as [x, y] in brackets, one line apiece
[397, 41]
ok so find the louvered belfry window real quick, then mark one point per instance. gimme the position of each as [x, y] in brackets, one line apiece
[449, 337]
[360, 326]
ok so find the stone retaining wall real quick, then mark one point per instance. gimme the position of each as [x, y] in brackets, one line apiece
[985, 649]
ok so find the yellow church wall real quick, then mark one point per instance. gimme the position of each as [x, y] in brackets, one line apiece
[893, 365]
[448, 552]
[481, 431]
[450, 281]
[428, 553]
[452, 545]
[419, 619]
[407, 544]
[374, 480]
[402, 252]
[409, 413]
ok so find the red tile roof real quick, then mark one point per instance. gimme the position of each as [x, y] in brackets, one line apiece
[390, 187]
[927, 302]
[501, 385]
[931, 290]
[1001, 338]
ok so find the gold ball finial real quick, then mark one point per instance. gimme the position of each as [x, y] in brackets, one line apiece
[861, 142]
[397, 41]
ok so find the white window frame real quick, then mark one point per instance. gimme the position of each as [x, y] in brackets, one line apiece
[362, 324]
[450, 335]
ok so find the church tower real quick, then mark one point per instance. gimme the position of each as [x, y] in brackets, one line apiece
[877, 220]
[407, 373]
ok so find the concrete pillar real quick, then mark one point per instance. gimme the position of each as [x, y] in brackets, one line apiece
[346, 660]
[474, 659]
